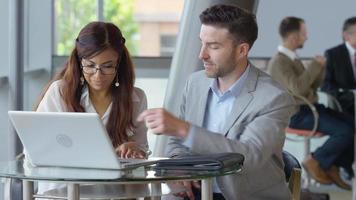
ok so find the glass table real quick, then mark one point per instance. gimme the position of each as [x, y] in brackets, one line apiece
[137, 183]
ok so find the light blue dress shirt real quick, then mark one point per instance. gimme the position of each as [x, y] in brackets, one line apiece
[218, 109]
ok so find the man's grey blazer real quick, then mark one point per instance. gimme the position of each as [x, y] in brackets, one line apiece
[255, 129]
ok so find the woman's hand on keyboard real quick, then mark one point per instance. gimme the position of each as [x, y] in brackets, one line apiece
[130, 150]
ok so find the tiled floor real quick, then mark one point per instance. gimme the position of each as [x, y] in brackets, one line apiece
[334, 192]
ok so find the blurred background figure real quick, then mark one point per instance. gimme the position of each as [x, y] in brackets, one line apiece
[340, 76]
[286, 68]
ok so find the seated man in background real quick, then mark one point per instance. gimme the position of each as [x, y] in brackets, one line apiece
[230, 106]
[341, 68]
[287, 69]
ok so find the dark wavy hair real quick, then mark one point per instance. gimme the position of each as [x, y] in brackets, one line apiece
[241, 24]
[94, 38]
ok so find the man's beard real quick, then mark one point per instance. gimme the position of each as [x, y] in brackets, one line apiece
[211, 74]
[220, 71]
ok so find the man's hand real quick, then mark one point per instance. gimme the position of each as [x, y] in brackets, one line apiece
[321, 60]
[188, 185]
[130, 150]
[159, 121]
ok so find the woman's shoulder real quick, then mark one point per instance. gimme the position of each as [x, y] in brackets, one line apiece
[54, 87]
[139, 98]
[138, 94]
[52, 100]
[57, 84]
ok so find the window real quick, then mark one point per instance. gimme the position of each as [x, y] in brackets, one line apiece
[149, 26]
[168, 43]
[121, 13]
[70, 17]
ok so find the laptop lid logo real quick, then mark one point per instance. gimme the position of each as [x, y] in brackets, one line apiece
[64, 140]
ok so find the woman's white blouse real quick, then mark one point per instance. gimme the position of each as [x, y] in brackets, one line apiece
[53, 102]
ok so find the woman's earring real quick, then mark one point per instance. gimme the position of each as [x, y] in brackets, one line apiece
[81, 80]
[117, 84]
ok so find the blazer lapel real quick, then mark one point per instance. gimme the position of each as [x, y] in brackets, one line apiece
[345, 57]
[201, 107]
[243, 100]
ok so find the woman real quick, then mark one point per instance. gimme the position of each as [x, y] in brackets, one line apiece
[99, 77]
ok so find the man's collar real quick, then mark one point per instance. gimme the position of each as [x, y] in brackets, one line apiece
[291, 54]
[235, 88]
[350, 49]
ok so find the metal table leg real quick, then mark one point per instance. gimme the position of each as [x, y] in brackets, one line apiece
[307, 145]
[207, 189]
[27, 190]
[156, 189]
[7, 188]
[73, 191]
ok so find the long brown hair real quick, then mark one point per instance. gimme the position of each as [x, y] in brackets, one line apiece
[94, 38]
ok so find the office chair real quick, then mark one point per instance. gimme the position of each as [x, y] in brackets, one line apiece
[292, 170]
[306, 134]
[309, 134]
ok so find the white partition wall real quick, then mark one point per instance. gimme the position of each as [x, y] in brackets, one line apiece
[16, 66]
[4, 57]
[25, 54]
[27, 58]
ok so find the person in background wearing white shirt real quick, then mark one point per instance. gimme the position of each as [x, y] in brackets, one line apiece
[99, 78]
[285, 67]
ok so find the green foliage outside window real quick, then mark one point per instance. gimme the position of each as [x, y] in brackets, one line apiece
[120, 12]
[72, 15]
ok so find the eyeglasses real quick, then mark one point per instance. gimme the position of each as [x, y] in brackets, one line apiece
[92, 68]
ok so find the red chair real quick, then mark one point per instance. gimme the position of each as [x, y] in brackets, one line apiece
[306, 134]
[300, 132]
[309, 134]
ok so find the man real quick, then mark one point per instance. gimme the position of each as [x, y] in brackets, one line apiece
[231, 106]
[341, 68]
[287, 69]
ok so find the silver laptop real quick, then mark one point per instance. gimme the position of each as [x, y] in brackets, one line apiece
[68, 139]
